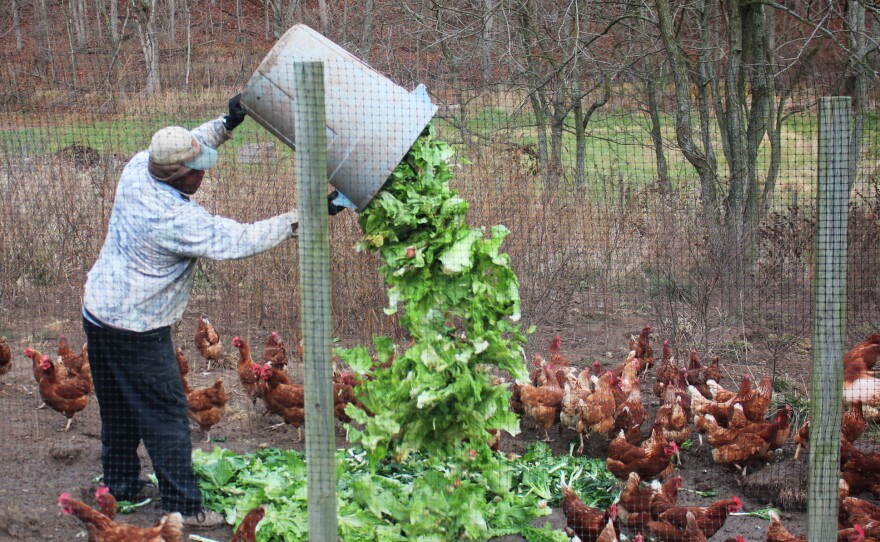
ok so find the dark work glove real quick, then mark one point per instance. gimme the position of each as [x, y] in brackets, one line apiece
[333, 208]
[236, 114]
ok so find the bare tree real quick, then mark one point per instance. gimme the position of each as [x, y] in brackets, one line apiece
[114, 20]
[282, 14]
[367, 34]
[145, 17]
[324, 15]
[171, 5]
[80, 19]
[16, 25]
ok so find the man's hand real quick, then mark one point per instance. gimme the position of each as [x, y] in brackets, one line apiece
[236, 114]
[337, 202]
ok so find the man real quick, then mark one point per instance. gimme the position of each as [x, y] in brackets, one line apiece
[139, 286]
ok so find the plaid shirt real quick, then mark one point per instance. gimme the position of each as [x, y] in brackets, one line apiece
[144, 274]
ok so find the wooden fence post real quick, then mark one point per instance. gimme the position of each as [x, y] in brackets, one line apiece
[314, 265]
[829, 316]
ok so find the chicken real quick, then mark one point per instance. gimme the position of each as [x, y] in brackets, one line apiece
[588, 523]
[638, 506]
[642, 347]
[246, 531]
[596, 412]
[246, 374]
[859, 382]
[734, 447]
[776, 531]
[630, 415]
[285, 400]
[275, 351]
[672, 419]
[859, 511]
[5, 357]
[573, 394]
[774, 432]
[36, 357]
[696, 374]
[542, 404]
[713, 371]
[343, 395]
[609, 533]
[103, 529]
[756, 402]
[207, 341]
[718, 393]
[703, 407]
[206, 405]
[859, 469]
[667, 371]
[67, 396]
[709, 519]
[74, 363]
[556, 360]
[852, 426]
[650, 460]
[106, 502]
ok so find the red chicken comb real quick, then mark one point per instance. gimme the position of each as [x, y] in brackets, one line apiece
[101, 491]
[64, 503]
[736, 503]
[28, 351]
[45, 363]
[613, 512]
[236, 341]
[275, 335]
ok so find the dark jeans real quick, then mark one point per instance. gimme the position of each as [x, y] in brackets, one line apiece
[141, 397]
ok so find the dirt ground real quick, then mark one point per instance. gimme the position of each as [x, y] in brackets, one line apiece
[39, 461]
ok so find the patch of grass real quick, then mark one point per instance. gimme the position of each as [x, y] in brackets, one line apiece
[786, 391]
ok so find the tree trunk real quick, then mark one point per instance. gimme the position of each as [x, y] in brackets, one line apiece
[488, 17]
[114, 21]
[534, 86]
[79, 14]
[71, 23]
[188, 20]
[145, 16]
[238, 16]
[324, 16]
[858, 84]
[663, 182]
[172, 22]
[367, 35]
[44, 26]
[16, 25]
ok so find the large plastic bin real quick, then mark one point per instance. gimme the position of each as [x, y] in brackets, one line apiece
[371, 121]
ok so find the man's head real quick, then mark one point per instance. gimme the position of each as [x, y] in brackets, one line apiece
[179, 159]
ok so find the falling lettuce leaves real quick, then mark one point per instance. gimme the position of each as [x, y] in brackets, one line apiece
[409, 500]
[458, 300]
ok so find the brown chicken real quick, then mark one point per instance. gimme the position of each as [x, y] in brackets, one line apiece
[718, 393]
[106, 502]
[103, 529]
[703, 407]
[574, 393]
[859, 511]
[630, 415]
[859, 469]
[713, 371]
[709, 519]
[74, 363]
[247, 529]
[246, 374]
[696, 374]
[650, 460]
[667, 371]
[207, 341]
[859, 382]
[36, 358]
[542, 404]
[732, 446]
[642, 347]
[639, 505]
[556, 360]
[67, 396]
[672, 419]
[756, 402]
[775, 432]
[609, 533]
[588, 523]
[285, 400]
[275, 351]
[851, 427]
[5, 357]
[206, 405]
[596, 412]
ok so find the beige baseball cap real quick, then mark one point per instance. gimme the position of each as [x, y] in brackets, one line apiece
[177, 145]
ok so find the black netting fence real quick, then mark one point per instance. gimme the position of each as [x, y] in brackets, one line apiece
[604, 274]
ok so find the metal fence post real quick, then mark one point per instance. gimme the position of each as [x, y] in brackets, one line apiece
[314, 264]
[829, 317]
